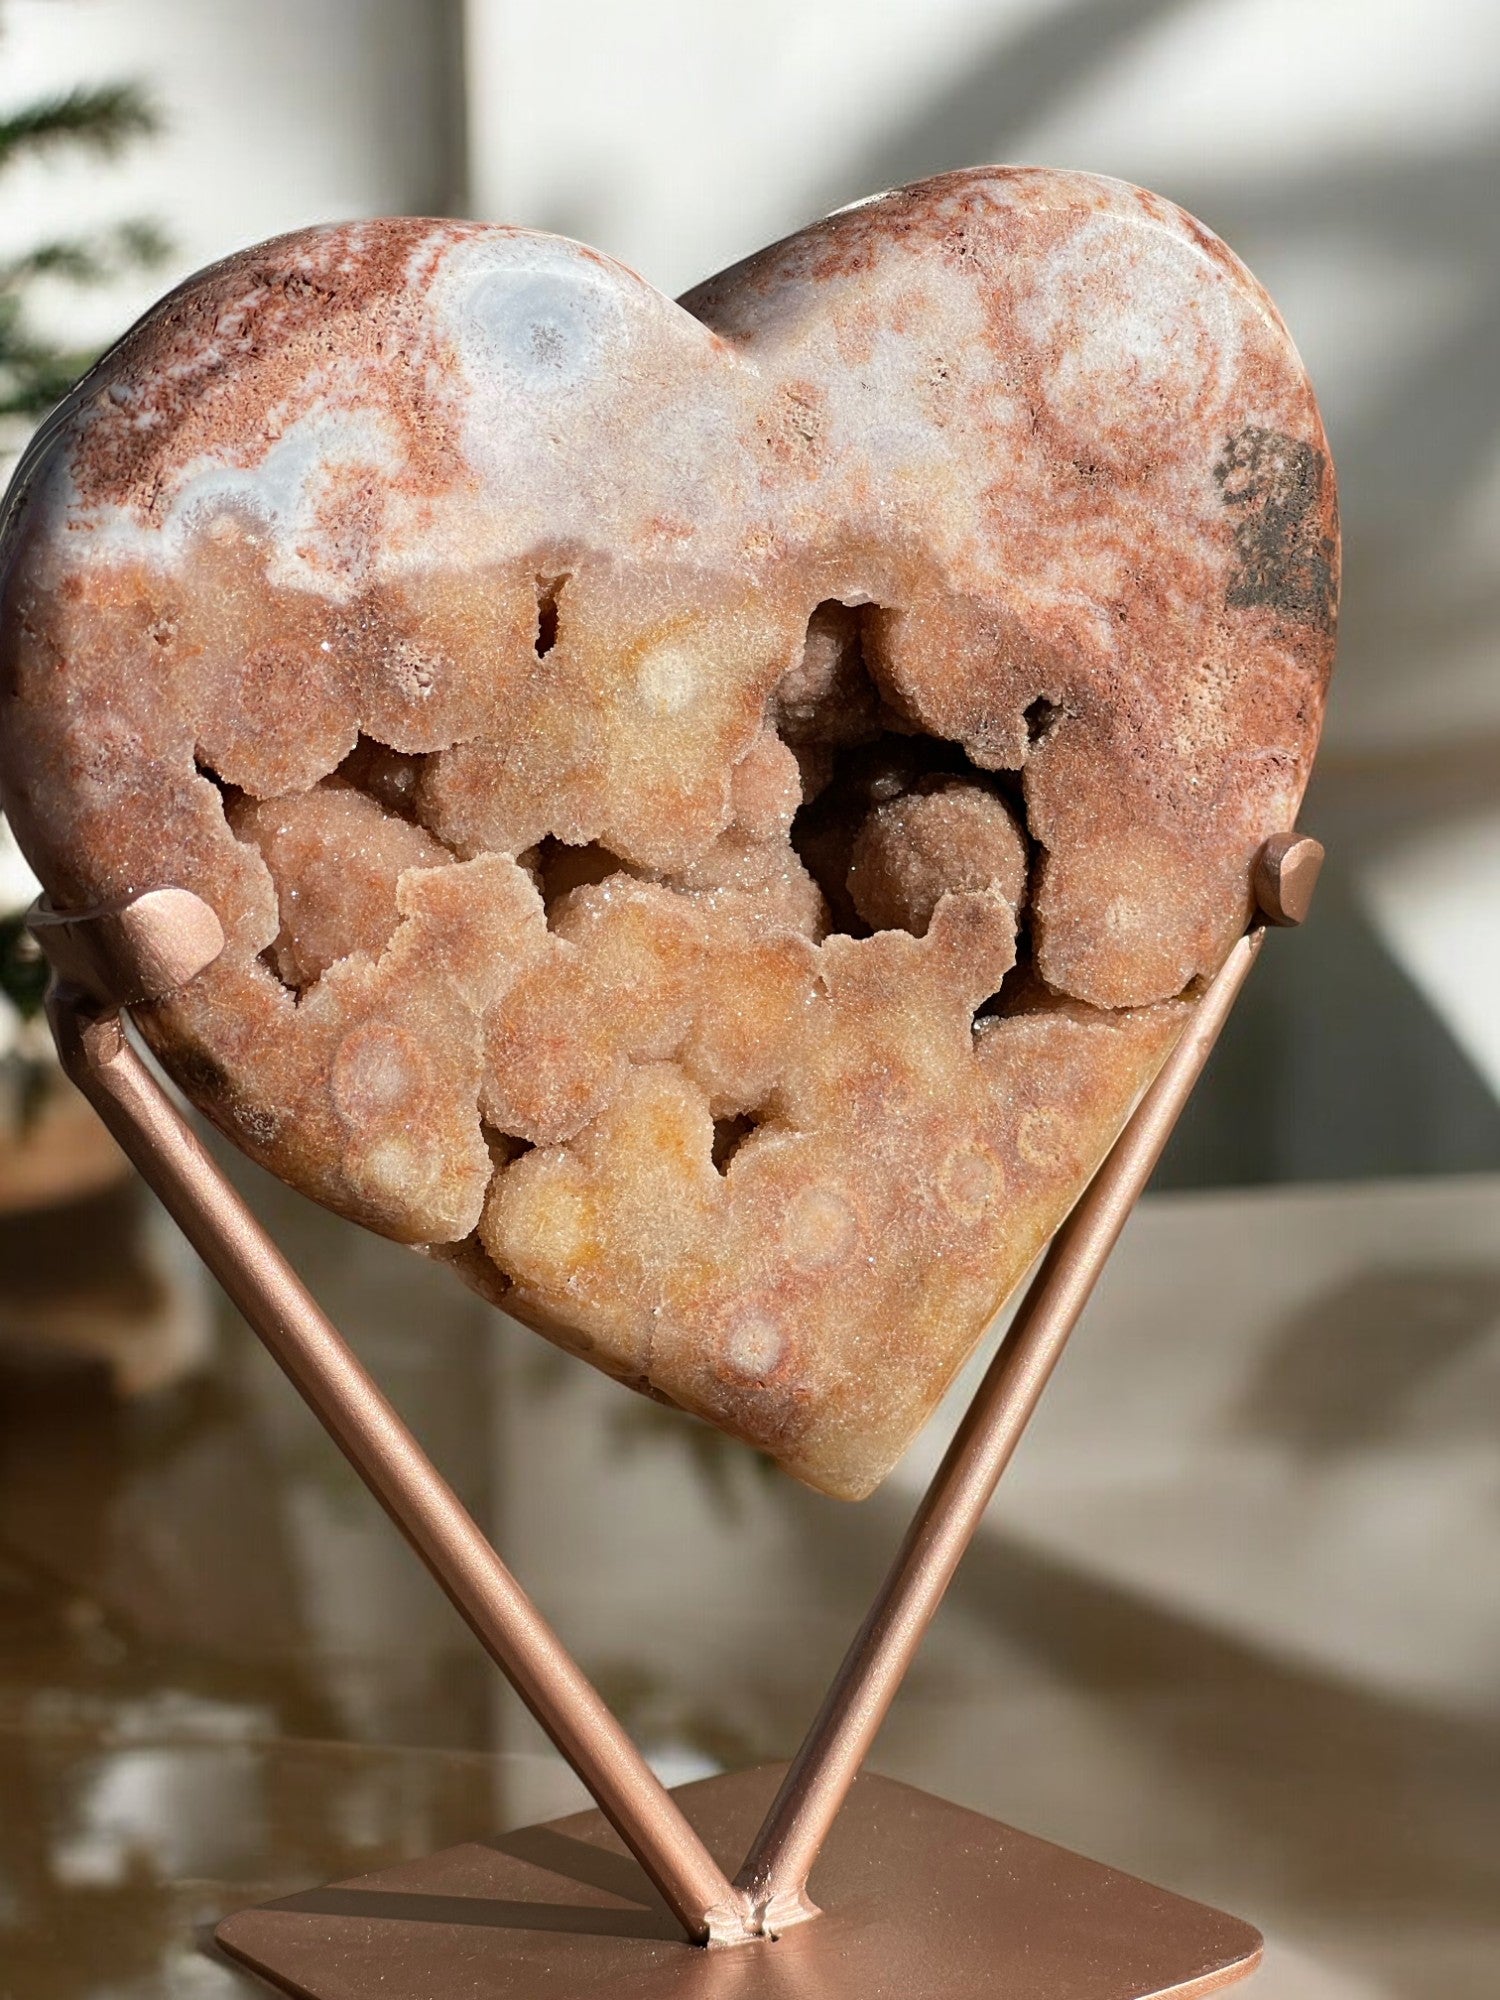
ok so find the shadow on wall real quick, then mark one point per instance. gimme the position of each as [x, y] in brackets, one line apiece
[1387, 1356]
[1335, 1067]
[1350, 1812]
[999, 95]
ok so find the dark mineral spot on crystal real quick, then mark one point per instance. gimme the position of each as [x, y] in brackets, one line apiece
[1283, 560]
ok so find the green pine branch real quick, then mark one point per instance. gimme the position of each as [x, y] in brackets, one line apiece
[87, 260]
[36, 373]
[23, 970]
[102, 117]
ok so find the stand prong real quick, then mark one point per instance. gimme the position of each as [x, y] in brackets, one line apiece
[135, 950]
[98, 1055]
[1286, 874]
[145, 948]
[781, 1859]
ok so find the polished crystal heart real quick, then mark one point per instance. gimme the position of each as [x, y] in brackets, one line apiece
[717, 808]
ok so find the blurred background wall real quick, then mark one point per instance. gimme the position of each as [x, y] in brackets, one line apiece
[1346, 148]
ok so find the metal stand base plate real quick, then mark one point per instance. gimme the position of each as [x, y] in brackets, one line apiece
[921, 1899]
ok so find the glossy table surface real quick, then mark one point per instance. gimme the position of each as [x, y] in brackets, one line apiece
[1234, 1623]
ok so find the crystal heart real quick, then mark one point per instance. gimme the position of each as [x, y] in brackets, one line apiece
[717, 808]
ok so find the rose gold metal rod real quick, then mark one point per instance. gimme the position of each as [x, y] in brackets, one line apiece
[100, 1059]
[776, 1872]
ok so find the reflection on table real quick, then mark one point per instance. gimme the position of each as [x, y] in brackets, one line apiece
[1233, 1625]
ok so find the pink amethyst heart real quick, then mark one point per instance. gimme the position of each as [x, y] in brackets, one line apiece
[718, 809]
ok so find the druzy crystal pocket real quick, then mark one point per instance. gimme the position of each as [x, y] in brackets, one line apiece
[717, 808]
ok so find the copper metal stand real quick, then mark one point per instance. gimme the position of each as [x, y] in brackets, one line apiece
[920, 1900]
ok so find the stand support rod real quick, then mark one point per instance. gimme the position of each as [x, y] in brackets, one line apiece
[101, 1060]
[158, 941]
[781, 1859]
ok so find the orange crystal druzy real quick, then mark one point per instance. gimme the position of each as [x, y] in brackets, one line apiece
[717, 809]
